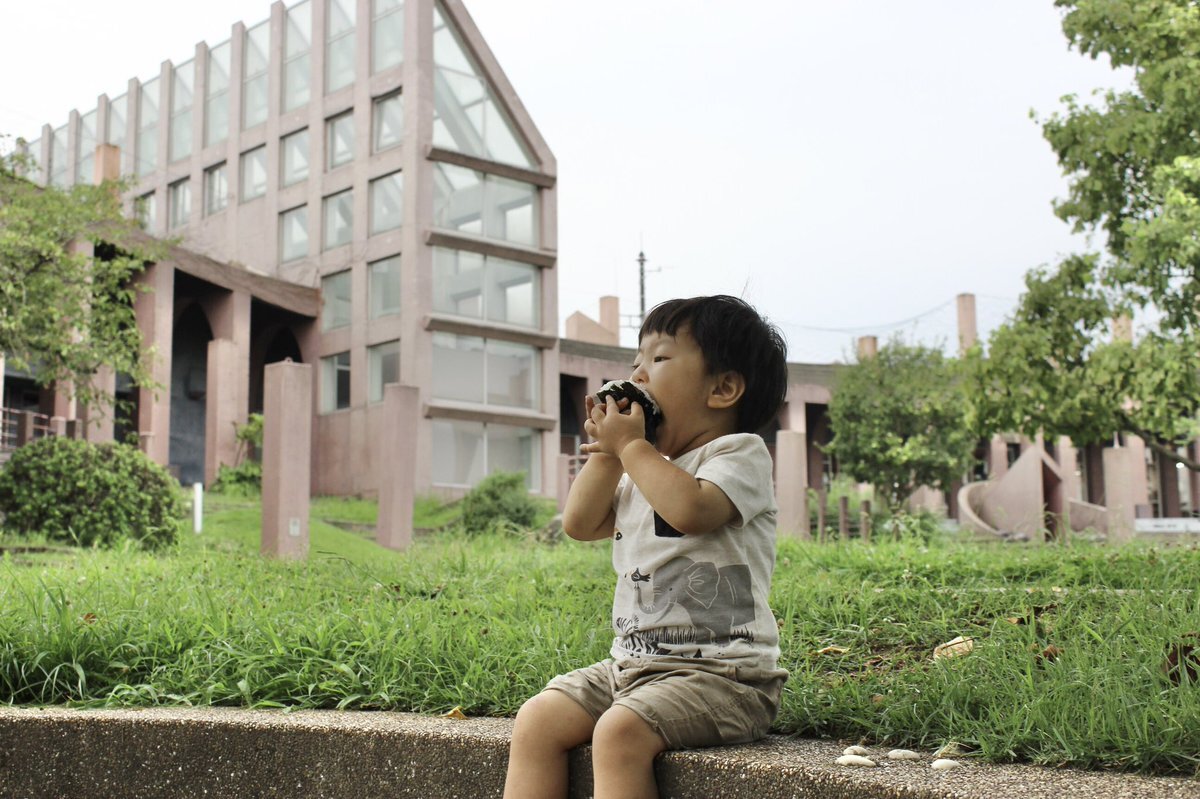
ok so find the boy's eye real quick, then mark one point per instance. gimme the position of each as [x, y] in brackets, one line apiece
[658, 358]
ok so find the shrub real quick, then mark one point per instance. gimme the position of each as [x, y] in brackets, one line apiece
[244, 479]
[89, 494]
[500, 501]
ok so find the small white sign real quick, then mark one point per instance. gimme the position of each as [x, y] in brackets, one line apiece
[1172, 525]
[294, 528]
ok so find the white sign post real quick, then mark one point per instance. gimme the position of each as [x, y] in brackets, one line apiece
[197, 507]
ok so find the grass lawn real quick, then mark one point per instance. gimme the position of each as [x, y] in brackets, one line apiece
[483, 622]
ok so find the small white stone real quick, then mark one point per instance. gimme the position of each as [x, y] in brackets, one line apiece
[944, 764]
[903, 754]
[855, 760]
[855, 750]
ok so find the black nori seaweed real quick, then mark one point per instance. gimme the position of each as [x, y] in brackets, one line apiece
[627, 389]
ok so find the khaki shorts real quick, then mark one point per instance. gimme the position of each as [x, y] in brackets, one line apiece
[707, 704]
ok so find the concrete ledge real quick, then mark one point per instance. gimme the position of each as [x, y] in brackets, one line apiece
[226, 752]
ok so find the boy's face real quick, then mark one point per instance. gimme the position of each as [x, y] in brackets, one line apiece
[673, 371]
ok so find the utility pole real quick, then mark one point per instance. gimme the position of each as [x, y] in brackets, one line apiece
[641, 259]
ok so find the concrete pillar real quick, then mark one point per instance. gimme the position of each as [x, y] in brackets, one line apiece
[1119, 494]
[610, 315]
[1168, 487]
[791, 483]
[1137, 473]
[1122, 328]
[108, 162]
[1194, 478]
[868, 347]
[155, 318]
[287, 441]
[2, 403]
[98, 416]
[25, 423]
[397, 473]
[223, 406]
[1072, 480]
[968, 329]
[997, 458]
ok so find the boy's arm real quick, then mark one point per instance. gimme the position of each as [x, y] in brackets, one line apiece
[689, 505]
[589, 514]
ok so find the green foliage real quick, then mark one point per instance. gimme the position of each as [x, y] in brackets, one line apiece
[484, 621]
[500, 501]
[245, 478]
[1134, 167]
[89, 494]
[900, 420]
[64, 311]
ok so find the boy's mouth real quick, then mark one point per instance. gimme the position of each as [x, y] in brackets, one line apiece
[627, 389]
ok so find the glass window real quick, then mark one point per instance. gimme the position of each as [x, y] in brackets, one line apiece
[512, 374]
[85, 149]
[179, 203]
[146, 210]
[458, 364]
[383, 289]
[389, 121]
[457, 198]
[515, 449]
[256, 57]
[183, 79]
[383, 367]
[335, 298]
[458, 282]
[147, 140]
[458, 452]
[513, 293]
[339, 49]
[254, 173]
[216, 94]
[58, 158]
[34, 149]
[216, 189]
[387, 34]
[387, 202]
[463, 452]
[335, 382]
[467, 116]
[293, 234]
[339, 133]
[297, 42]
[339, 219]
[468, 284]
[467, 201]
[117, 114]
[293, 150]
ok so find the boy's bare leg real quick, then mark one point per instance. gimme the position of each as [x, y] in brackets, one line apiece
[548, 726]
[623, 750]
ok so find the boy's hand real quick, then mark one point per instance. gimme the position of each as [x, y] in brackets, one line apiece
[610, 429]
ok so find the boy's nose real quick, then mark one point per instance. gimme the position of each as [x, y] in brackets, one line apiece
[638, 375]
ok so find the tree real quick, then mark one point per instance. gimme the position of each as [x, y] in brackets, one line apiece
[65, 311]
[900, 420]
[1133, 162]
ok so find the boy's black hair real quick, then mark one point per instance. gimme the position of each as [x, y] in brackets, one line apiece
[733, 337]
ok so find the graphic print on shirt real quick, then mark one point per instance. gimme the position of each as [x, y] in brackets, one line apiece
[718, 600]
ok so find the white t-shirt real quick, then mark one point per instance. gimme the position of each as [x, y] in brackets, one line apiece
[700, 596]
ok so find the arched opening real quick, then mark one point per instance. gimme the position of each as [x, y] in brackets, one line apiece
[275, 344]
[189, 386]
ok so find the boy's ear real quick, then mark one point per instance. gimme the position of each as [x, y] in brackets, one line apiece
[727, 390]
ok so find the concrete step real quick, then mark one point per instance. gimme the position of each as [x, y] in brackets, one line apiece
[229, 753]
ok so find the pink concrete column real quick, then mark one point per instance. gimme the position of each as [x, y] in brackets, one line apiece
[287, 441]
[223, 408]
[1072, 480]
[155, 311]
[791, 483]
[968, 331]
[98, 416]
[1137, 472]
[397, 478]
[868, 347]
[1119, 491]
[2, 380]
[997, 458]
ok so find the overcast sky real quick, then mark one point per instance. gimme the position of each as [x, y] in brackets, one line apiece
[846, 165]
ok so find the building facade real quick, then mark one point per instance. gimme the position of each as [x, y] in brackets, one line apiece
[373, 154]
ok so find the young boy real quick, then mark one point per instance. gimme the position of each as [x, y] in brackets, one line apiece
[694, 661]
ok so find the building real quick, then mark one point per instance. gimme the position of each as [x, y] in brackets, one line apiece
[355, 185]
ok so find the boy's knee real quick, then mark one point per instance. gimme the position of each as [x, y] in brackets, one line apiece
[620, 730]
[553, 718]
